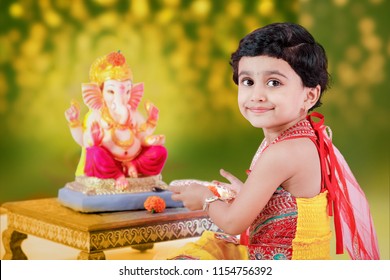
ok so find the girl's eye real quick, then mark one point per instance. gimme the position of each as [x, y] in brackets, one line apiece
[247, 82]
[273, 83]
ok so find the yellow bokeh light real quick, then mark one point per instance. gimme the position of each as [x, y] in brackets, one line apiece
[363, 99]
[78, 10]
[266, 7]
[52, 18]
[108, 20]
[38, 31]
[306, 20]
[140, 9]
[234, 9]
[366, 26]
[201, 8]
[372, 43]
[16, 10]
[171, 3]
[165, 16]
[388, 48]
[106, 3]
[340, 3]
[3, 92]
[376, 73]
[354, 53]
[376, 2]
[347, 74]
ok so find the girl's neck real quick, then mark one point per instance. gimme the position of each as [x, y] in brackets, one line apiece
[270, 134]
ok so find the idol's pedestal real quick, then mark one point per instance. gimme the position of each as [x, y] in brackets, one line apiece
[92, 195]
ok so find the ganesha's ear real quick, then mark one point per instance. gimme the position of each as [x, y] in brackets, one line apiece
[92, 96]
[137, 92]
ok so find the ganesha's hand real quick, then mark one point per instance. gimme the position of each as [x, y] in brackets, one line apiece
[96, 133]
[235, 183]
[154, 140]
[152, 113]
[72, 114]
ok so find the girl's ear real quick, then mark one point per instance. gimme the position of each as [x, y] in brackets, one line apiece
[312, 96]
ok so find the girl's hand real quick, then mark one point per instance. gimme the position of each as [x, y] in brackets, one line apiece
[192, 196]
[235, 183]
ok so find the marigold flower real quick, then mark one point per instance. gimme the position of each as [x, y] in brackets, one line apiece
[154, 204]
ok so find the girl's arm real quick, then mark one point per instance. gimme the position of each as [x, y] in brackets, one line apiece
[272, 169]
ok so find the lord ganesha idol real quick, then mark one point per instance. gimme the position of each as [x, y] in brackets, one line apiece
[120, 153]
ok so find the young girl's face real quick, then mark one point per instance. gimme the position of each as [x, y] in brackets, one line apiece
[271, 95]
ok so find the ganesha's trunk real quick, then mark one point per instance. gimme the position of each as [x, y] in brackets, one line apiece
[119, 110]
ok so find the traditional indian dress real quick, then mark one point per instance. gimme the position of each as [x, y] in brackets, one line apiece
[290, 227]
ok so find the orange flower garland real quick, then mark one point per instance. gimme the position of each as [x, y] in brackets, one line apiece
[214, 190]
[154, 204]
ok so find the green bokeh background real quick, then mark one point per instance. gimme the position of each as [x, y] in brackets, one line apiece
[180, 50]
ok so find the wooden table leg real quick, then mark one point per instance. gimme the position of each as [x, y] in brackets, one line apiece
[143, 247]
[97, 255]
[12, 241]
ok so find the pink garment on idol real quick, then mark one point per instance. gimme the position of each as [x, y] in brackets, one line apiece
[100, 162]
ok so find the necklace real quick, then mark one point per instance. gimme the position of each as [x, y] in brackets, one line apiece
[114, 126]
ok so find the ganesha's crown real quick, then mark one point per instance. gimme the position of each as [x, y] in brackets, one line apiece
[112, 66]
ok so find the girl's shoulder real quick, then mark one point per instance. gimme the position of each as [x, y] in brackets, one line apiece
[293, 148]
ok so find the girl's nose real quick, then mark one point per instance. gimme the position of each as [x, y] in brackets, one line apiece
[258, 95]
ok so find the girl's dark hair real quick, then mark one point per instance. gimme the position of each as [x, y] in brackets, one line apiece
[292, 43]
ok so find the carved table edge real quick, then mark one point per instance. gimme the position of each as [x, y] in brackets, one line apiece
[91, 241]
[60, 234]
[159, 232]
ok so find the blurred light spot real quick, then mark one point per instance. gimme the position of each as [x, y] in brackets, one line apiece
[38, 31]
[83, 42]
[372, 43]
[306, 20]
[388, 48]
[347, 74]
[108, 20]
[375, 2]
[3, 93]
[165, 16]
[16, 10]
[234, 9]
[363, 99]
[354, 53]
[52, 19]
[366, 26]
[171, 3]
[106, 3]
[31, 48]
[266, 7]
[373, 69]
[251, 23]
[14, 35]
[78, 10]
[340, 3]
[201, 8]
[140, 9]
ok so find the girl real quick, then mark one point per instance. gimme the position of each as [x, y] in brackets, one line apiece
[297, 178]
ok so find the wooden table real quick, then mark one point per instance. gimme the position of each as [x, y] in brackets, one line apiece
[94, 233]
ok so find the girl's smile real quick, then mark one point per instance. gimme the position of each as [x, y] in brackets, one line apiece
[259, 110]
[271, 95]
